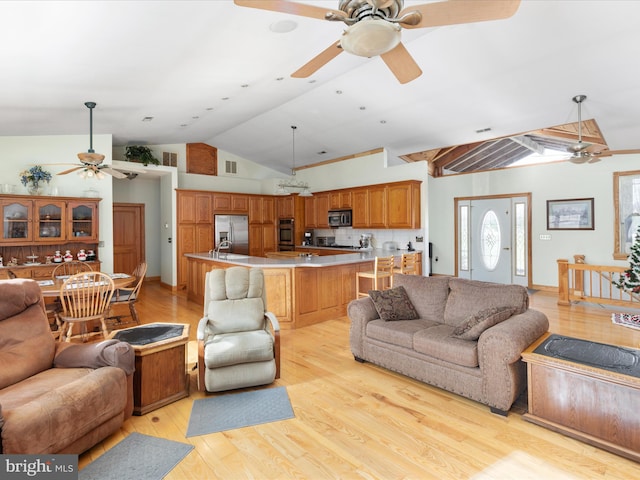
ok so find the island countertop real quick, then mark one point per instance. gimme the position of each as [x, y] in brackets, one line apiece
[303, 261]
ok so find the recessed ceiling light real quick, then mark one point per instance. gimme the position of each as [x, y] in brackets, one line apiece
[283, 26]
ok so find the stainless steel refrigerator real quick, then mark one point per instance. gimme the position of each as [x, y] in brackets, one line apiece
[234, 228]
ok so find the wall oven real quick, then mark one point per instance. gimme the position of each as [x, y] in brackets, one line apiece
[286, 240]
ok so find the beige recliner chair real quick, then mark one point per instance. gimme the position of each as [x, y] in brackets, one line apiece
[238, 340]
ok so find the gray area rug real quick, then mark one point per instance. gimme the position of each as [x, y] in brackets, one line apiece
[137, 457]
[238, 410]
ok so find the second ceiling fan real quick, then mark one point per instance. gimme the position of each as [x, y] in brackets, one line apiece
[374, 26]
[584, 152]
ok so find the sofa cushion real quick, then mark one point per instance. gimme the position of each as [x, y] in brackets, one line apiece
[393, 304]
[467, 297]
[398, 333]
[437, 342]
[472, 328]
[26, 344]
[427, 294]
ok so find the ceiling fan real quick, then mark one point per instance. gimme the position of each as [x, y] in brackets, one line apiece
[92, 161]
[374, 26]
[584, 152]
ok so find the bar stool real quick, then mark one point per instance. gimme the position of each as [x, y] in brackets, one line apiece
[408, 264]
[382, 270]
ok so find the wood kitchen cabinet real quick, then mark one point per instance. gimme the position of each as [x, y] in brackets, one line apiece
[322, 210]
[230, 203]
[360, 210]
[262, 225]
[316, 211]
[340, 199]
[195, 207]
[403, 205]
[285, 206]
[310, 213]
[378, 206]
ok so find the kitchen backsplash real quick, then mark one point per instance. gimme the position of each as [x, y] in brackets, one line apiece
[351, 236]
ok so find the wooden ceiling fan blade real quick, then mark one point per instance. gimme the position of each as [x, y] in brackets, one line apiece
[112, 172]
[401, 64]
[318, 61]
[608, 153]
[70, 170]
[454, 12]
[289, 7]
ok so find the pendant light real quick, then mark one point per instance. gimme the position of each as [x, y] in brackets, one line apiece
[285, 187]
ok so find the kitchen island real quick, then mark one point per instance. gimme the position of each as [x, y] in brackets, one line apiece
[301, 290]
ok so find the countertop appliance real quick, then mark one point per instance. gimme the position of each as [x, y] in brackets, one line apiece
[307, 238]
[234, 229]
[366, 241]
[286, 233]
[325, 241]
[339, 218]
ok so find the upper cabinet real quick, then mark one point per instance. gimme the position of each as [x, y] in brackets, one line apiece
[389, 205]
[17, 220]
[48, 220]
[403, 205]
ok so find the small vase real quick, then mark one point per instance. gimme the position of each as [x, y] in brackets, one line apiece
[34, 189]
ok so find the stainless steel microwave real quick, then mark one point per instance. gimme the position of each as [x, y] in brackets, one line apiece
[339, 218]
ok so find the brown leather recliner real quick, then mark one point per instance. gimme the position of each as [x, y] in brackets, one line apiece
[56, 397]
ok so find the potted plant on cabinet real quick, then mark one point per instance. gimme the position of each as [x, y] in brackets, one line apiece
[140, 154]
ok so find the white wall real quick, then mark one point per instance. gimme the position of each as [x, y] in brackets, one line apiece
[563, 180]
[56, 154]
[145, 191]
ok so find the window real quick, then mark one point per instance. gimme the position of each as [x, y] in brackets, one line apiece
[626, 201]
[490, 240]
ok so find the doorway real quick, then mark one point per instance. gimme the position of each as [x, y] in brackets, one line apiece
[492, 238]
[128, 236]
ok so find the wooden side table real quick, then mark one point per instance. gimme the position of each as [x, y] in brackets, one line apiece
[583, 400]
[161, 375]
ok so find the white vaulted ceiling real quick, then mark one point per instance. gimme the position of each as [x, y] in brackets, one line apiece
[214, 72]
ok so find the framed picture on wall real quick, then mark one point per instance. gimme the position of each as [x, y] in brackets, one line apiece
[572, 214]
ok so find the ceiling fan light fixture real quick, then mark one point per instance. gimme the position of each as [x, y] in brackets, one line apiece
[370, 38]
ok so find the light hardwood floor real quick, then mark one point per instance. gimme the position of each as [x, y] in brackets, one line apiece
[357, 420]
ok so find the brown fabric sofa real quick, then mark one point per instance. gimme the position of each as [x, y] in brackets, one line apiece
[56, 397]
[488, 370]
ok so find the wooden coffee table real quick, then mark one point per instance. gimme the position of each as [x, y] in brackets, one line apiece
[161, 375]
[593, 398]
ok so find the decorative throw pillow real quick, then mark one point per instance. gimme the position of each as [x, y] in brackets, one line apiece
[473, 326]
[393, 304]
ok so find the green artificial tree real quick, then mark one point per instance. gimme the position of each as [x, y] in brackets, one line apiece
[629, 281]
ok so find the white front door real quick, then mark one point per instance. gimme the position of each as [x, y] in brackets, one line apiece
[492, 239]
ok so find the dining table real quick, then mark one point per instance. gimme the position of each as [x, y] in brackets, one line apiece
[51, 288]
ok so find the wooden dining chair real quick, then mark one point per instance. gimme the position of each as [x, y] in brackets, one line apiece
[53, 305]
[128, 297]
[408, 264]
[85, 297]
[381, 276]
[70, 268]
